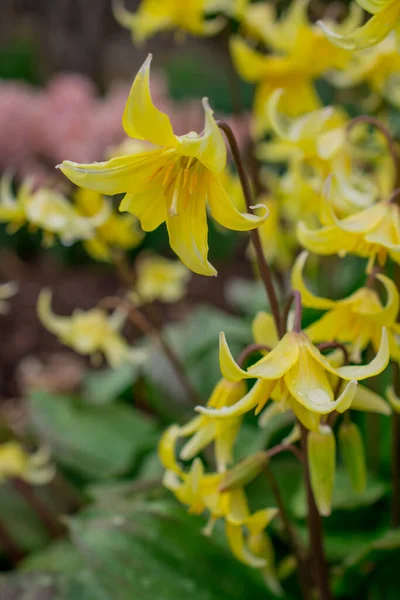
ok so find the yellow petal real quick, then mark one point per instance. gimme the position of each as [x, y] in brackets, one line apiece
[209, 148]
[202, 438]
[227, 432]
[258, 521]
[363, 221]
[389, 313]
[264, 330]
[229, 367]
[369, 401]
[307, 298]
[188, 230]
[226, 214]
[167, 449]
[116, 176]
[235, 537]
[393, 399]
[149, 207]
[257, 396]
[250, 64]
[142, 120]
[326, 240]
[376, 366]
[57, 325]
[277, 362]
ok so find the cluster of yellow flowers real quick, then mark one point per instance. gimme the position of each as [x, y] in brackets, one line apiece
[336, 194]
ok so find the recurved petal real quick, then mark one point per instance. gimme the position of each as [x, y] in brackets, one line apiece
[389, 313]
[307, 297]
[277, 362]
[167, 448]
[257, 396]
[258, 521]
[376, 366]
[57, 325]
[235, 537]
[252, 65]
[363, 221]
[188, 230]
[116, 176]
[198, 441]
[226, 214]
[142, 120]
[229, 367]
[326, 240]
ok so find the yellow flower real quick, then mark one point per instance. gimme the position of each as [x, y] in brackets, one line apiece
[116, 232]
[32, 468]
[357, 320]
[203, 431]
[373, 233]
[297, 371]
[385, 19]
[153, 16]
[172, 183]
[91, 332]
[378, 67]
[276, 243]
[201, 491]
[47, 210]
[7, 291]
[293, 66]
[158, 278]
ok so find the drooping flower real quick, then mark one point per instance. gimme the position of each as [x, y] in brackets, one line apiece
[203, 431]
[296, 372]
[154, 16]
[385, 19]
[47, 210]
[293, 67]
[91, 332]
[117, 232]
[16, 462]
[201, 492]
[172, 183]
[373, 233]
[357, 320]
[158, 278]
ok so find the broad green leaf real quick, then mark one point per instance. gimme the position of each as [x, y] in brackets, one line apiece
[94, 441]
[159, 553]
[45, 586]
[103, 387]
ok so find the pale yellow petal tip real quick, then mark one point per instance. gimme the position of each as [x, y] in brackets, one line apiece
[336, 38]
[146, 65]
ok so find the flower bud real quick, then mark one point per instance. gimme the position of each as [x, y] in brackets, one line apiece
[244, 472]
[321, 448]
[352, 449]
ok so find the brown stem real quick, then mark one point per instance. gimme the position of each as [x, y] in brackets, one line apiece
[333, 345]
[303, 570]
[298, 311]
[386, 133]
[318, 559]
[265, 271]
[249, 350]
[279, 448]
[10, 548]
[395, 450]
[371, 279]
[47, 517]
[142, 323]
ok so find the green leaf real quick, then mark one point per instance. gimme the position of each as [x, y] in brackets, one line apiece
[103, 387]
[159, 553]
[247, 296]
[45, 586]
[94, 441]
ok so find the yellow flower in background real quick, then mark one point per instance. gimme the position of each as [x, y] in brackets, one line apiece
[16, 462]
[154, 16]
[200, 492]
[357, 320]
[173, 183]
[91, 332]
[317, 137]
[158, 278]
[293, 67]
[385, 19]
[7, 291]
[47, 210]
[277, 244]
[373, 233]
[203, 431]
[298, 372]
[378, 67]
[116, 232]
